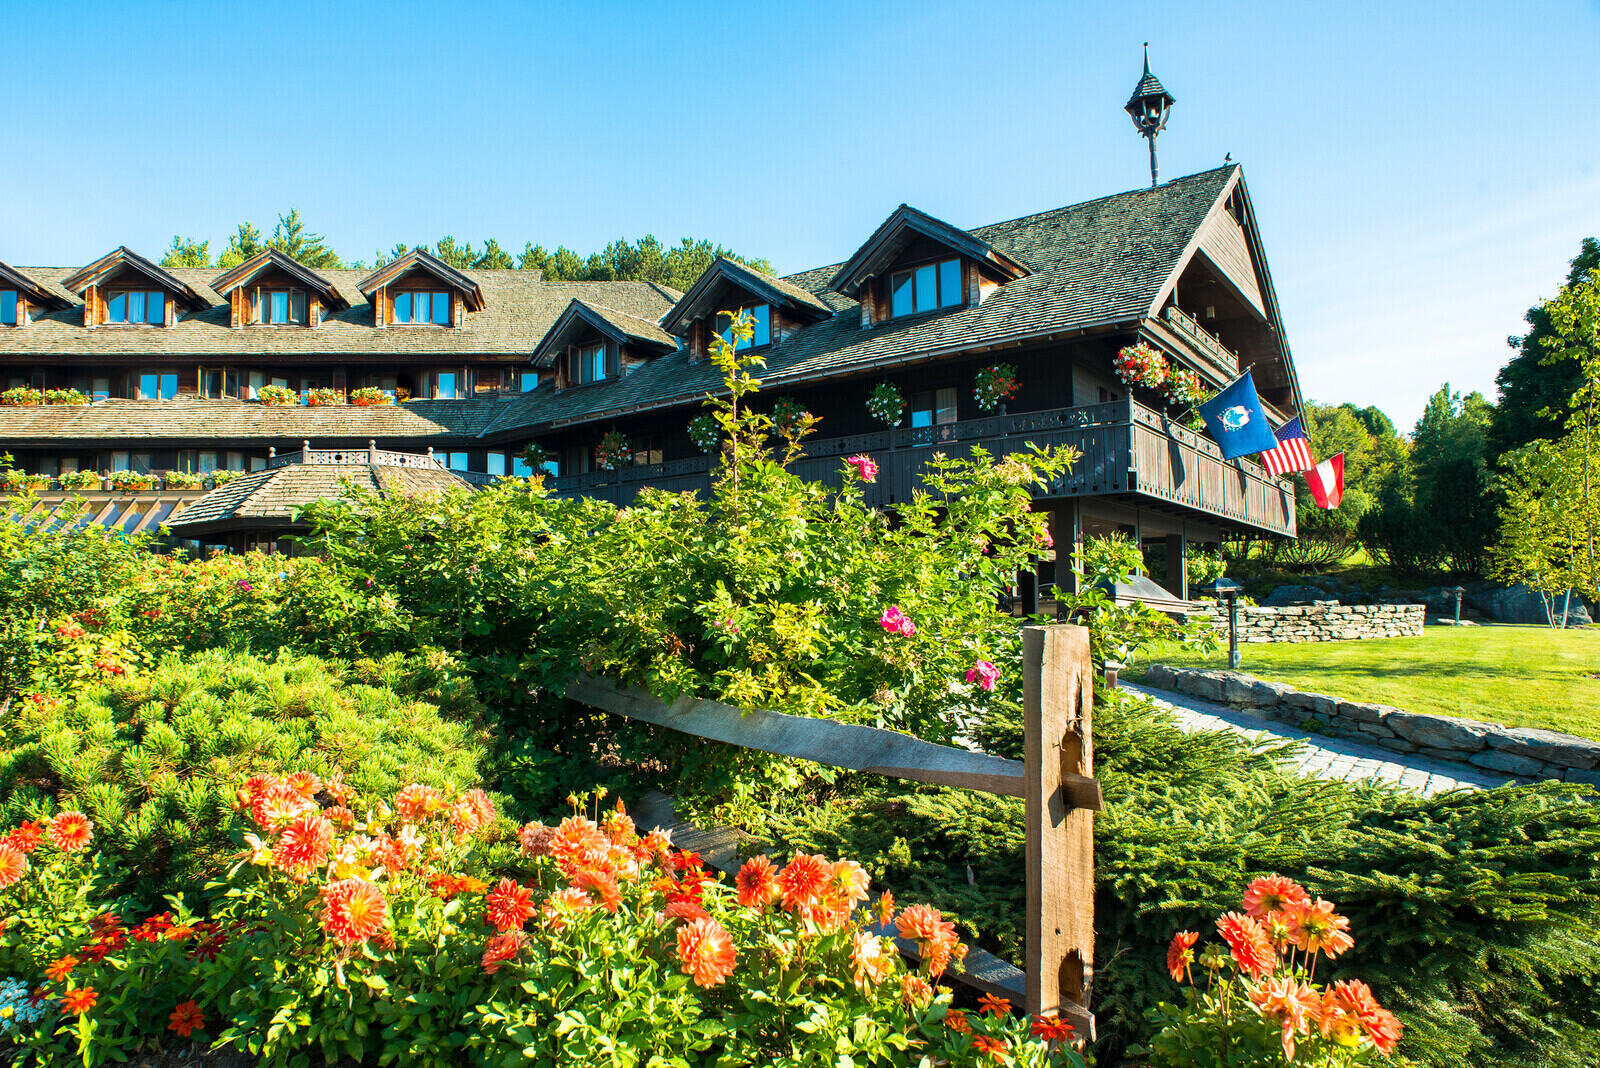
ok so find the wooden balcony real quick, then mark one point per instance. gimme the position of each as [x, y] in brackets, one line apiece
[1224, 361]
[1127, 451]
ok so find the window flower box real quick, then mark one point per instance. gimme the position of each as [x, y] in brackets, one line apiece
[370, 397]
[21, 395]
[277, 396]
[65, 396]
[324, 398]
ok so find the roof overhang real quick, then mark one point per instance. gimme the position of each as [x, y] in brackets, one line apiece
[270, 258]
[703, 298]
[124, 258]
[904, 225]
[580, 316]
[420, 260]
[33, 292]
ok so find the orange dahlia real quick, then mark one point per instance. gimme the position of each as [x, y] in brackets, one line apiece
[1248, 943]
[561, 906]
[1051, 1028]
[1316, 928]
[304, 783]
[1349, 1009]
[306, 839]
[70, 831]
[1273, 893]
[915, 991]
[353, 910]
[1294, 1005]
[13, 864]
[802, 880]
[684, 910]
[1180, 954]
[26, 838]
[885, 910]
[994, 1006]
[508, 906]
[416, 802]
[603, 887]
[871, 959]
[757, 883]
[274, 801]
[501, 948]
[79, 1000]
[186, 1019]
[935, 937]
[705, 951]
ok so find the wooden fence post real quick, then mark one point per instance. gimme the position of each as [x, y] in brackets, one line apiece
[1058, 692]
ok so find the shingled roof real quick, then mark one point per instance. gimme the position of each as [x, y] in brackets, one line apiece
[273, 496]
[1098, 263]
[645, 334]
[700, 300]
[122, 258]
[519, 309]
[228, 281]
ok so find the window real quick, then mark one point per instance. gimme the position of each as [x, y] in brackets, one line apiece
[760, 326]
[281, 307]
[458, 461]
[8, 307]
[933, 407]
[217, 384]
[137, 306]
[444, 386]
[592, 363]
[421, 308]
[926, 288]
[497, 463]
[158, 385]
[647, 450]
[529, 381]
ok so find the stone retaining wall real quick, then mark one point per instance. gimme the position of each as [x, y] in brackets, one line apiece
[1521, 751]
[1322, 621]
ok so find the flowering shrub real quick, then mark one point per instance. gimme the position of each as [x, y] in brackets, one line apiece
[131, 481]
[277, 396]
[994, 384]
[1260, 995]
[21, 395]
[1141, 365]
[324, 397]
[886, 403]
[80, 480]
[865, 467]
[370, 397]
[182, 480]
[703, 431]
[65, 396]
[375, 925]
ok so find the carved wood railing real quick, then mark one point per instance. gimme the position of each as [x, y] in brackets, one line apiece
[1189, 328]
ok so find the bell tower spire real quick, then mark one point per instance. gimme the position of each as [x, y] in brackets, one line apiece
[1148, 107]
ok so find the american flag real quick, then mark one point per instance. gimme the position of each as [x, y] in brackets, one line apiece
[1293, 452]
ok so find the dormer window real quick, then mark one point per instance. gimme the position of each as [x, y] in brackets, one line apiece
[137, 306]
[926, 288]
[422, 308]
[281, 307]
[8, 307]
[760, 326]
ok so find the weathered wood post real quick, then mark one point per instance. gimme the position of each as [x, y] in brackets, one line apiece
[1058, 695]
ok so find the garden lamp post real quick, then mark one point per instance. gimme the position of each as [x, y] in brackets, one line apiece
[1458, 591]
[1227, 591]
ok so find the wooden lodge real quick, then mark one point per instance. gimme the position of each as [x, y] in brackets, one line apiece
[476, 365]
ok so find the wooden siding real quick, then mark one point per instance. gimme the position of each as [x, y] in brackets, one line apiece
[1126, 450]
[1223, 242]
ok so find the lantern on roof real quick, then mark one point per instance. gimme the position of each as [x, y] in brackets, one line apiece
[1148, 107]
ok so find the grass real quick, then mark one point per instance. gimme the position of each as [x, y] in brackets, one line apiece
[1521, 676]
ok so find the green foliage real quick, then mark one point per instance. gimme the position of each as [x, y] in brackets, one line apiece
[154, 758]
[644, 260]
[187, 252]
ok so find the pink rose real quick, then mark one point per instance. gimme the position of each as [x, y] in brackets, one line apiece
[865, 467]
[897, 622]
[1047, 541]
[984, 674]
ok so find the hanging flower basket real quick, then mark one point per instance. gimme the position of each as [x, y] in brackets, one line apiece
[786, 414]
[994, 384]
[703, 431]
[535, 455]
[613, 451]
[1185, 387]
[370, 397]
[324, 398]
[276, 396]
[886, 403]
[1141, 365]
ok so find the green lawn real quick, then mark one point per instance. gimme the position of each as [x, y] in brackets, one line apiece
[1524, 676]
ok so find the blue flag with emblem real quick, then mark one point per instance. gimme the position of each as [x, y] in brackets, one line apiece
[1236, 421]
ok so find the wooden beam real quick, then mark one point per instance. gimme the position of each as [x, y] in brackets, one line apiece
[1057, 701]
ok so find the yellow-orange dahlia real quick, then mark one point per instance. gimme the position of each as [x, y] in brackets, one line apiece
[706, 952]
[70, 831]
[757, 883]
[353, 910]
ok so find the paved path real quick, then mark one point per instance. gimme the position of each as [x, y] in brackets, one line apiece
[1323, 756]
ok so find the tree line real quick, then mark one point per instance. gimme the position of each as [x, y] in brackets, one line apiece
[1496, 489]
[644, 260]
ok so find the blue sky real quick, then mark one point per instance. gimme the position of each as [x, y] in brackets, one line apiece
[1421, 172]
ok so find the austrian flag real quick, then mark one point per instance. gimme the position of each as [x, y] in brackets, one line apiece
[1326, 481]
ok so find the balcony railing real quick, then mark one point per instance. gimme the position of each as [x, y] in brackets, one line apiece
[1203, 340]
[1125, 449]
[375, 456]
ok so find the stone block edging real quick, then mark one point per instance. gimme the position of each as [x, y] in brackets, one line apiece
[1320, 621]
[1522, 751]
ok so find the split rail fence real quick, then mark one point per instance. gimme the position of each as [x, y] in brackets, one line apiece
[1055, 779]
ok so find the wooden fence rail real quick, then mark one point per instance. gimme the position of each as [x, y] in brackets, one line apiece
[1055, 779]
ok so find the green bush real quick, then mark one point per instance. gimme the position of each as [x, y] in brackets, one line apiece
[1476, 911]
[154, 758]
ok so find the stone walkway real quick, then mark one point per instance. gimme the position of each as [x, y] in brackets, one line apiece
[1323, 756]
